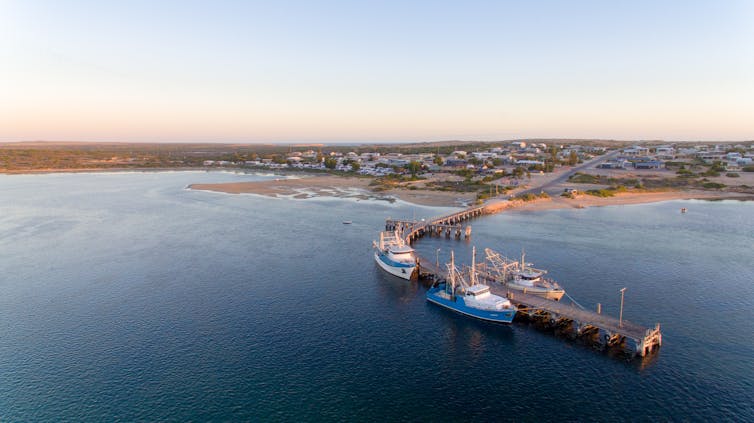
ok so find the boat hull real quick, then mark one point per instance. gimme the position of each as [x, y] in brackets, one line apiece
[403, 272]
[459, 306]
[554, 295]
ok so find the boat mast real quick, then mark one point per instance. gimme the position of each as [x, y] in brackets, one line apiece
[472, 276]
[452, 275]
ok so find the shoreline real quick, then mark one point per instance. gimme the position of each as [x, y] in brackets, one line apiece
[350, 187]
[311, 185]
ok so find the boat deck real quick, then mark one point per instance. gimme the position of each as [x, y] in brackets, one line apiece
[644, 339]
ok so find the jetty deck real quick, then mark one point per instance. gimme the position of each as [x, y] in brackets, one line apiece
[579, 323]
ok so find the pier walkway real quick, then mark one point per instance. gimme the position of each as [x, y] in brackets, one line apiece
[449, 224]
[576, 322]
[567, 318]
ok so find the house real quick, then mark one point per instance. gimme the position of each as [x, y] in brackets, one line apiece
[529, 162]
[456, 162]
[665, 152]
[649, 164]
[614, 164]
[636, 151]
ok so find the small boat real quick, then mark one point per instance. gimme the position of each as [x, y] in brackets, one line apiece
[347, 222]
[470, 298]
[521, 277]
[394, 256]
[683, 210]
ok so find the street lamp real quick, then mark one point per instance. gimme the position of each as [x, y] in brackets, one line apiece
[437, 258]
[620, 319]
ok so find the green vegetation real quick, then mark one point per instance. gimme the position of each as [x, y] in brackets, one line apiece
[713, 185]
[414, 167]
[748, 169]
[584, 178]
[331, 162]
[732, 175]
[685, 173]
[466, 185]
[573, 158]
[532, 197]
[601, 192]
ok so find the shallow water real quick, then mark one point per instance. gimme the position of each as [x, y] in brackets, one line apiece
[126, 296]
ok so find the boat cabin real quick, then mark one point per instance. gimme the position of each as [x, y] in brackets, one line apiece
[478, 290]
[403, 249]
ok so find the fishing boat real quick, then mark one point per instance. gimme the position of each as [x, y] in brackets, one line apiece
[470, 297]
[521, 276]
[347, 222]
[394, 256]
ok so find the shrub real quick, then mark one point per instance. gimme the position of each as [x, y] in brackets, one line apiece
[583, 178]
[713, 185]
[732, 175]
[601, 192]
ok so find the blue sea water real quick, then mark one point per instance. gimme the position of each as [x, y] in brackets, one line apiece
[128, 297]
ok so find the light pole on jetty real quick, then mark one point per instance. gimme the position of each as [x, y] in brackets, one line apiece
[437, 258]
[620, 319]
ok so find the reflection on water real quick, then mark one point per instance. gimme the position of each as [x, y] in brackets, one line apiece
[127, 297]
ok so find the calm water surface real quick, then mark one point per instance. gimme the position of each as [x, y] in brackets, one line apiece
[128, 297]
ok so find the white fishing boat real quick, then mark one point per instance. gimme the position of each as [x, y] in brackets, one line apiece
[470, 297]
[521, 276]
[394, 256]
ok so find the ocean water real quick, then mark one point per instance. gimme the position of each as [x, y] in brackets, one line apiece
[127, 297]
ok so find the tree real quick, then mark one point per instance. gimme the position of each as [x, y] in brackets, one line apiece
[414, 167]
[573, 158]
[438, 160]
[331, 162]
[355, 166]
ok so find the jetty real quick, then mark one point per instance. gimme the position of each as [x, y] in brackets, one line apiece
[569, 319]
[450, 224]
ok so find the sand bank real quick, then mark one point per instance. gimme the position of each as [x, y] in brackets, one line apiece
[583, 200]
[345, 187]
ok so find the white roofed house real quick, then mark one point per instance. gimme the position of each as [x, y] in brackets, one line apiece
[665, 152]
[636, 151]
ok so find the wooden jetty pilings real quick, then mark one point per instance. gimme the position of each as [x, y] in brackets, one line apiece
[448, 224]
[576, 323]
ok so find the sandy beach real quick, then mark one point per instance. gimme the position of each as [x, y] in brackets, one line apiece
[583, 201]
[345, 187]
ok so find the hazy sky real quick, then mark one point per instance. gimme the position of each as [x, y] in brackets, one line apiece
[351, 71]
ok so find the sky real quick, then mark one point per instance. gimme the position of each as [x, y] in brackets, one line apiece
[375, 71]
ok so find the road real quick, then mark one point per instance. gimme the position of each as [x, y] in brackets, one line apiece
[567, 174]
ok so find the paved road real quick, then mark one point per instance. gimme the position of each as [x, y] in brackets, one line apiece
[567, 174]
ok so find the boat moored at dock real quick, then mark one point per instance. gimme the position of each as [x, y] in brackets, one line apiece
[470, 297]
[394, 256]
[520, 277]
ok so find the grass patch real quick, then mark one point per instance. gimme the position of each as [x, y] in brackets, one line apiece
[713, 185]
[600, 192]
[532, 197]
[583, 178]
